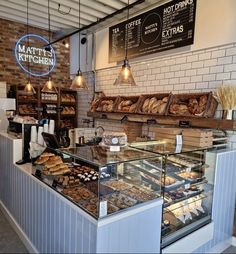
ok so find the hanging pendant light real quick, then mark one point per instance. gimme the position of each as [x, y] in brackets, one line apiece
[29, 89]
[79, 82]
[49, 86]
[125, 76]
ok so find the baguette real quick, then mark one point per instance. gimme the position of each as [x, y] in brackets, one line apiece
[127, 103]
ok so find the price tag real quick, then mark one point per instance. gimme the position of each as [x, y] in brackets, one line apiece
[188, 170]
[103, 208]
[179, 140]
[54, 184]
[178, 148]
[114, 148]
[38, 173]
[187, 186]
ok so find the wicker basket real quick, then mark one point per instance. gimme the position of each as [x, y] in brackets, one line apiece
[135, 100]
[101, 102]
[183, 99]
[159, 96]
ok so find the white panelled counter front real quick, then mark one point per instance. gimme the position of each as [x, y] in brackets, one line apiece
[47, 222]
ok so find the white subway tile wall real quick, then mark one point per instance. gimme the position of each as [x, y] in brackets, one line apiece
[197, 71]
[84, 100]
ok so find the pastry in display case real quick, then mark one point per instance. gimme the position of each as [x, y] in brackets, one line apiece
[187, 186]
[100, 181]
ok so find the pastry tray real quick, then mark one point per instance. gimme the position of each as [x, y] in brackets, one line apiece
[149, 195]
[120, 198]
[169, 167]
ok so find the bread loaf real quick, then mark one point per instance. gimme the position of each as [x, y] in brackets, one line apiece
[162, 108]
[165, 99]
[132, 108]
[151, 103]
[145, 105]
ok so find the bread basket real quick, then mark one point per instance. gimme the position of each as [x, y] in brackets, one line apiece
[154, 104]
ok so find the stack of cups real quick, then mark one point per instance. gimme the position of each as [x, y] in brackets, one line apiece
[45, 129]
[51, 126]
[33, 134]
[40, 137]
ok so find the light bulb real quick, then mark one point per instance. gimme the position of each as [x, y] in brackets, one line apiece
[126, 73]
[50, 84]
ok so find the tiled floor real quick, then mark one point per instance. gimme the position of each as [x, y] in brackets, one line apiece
[9, 240]
[231, 249]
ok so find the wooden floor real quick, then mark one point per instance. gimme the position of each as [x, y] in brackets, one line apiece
[9, 240]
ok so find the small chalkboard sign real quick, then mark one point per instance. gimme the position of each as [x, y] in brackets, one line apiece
[151, 121]
[184, 124]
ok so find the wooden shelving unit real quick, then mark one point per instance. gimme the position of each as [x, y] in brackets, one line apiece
[40, 104]
[211, 123]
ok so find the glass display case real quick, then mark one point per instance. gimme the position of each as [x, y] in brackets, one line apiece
[187, 186]
[100, 181]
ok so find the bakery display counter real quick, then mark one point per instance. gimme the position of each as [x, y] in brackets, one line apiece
[187, 186]
[99, 181]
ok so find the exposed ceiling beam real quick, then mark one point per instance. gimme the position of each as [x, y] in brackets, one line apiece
[21, 14]
[54, 15]
[85, 19]
[34, 13]
[19, 19]
[105, 19]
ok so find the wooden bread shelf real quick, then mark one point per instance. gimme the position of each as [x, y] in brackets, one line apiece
[211, 123]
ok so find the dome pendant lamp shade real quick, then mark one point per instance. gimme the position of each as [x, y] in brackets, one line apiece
[29, 89]
[125, 76]
[49, 87]
[79, 82]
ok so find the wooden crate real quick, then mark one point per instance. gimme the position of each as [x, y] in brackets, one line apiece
[158, 96]
[191, 137]
[106, 98]
[134, 99]
[183, 99]
[133, 130]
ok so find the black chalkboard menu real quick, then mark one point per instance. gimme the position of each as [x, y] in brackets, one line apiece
[165, 27]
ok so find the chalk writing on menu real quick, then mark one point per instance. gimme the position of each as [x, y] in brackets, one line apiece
[166, 27]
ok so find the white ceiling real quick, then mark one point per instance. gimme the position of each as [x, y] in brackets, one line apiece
[91, 11]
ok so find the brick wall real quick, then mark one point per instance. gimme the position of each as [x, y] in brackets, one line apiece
[196, 71]
[11, 72]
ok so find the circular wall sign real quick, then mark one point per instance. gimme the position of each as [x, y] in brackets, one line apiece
[33, 57]
[151, 28]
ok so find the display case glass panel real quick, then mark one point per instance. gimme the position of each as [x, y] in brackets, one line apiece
[100, 181]
[187, 187]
